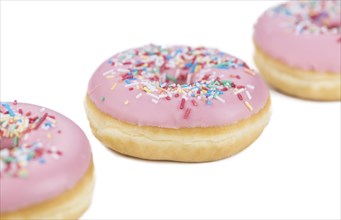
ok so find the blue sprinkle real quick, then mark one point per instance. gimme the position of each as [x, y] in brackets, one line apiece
[10, 111]
[127, 81]
[188, 64]
[208, 102]
[193, 67]
[178, 51]
[42, 160]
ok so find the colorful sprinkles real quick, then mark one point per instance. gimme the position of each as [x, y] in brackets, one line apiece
[193, 74]
[16, 152]
[311, 17]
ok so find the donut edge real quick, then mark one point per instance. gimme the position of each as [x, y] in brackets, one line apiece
[182, 145]
[71, 204]
[311, 85]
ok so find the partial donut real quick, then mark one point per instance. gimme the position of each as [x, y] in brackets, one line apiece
[46, 169]
[298, 47]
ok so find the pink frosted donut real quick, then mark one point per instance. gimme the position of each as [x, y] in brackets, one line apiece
[298, 47]
[176, 103]
[45, 164]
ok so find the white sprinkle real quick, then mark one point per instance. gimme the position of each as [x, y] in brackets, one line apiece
[164, 76]
[162, 96]
[237, 91]
[123, 70]
[206, 70]
[177, 73]
[139, 95]
[248, 95]
[55, 156]
[155, 101]
[108, 72]
[152, 95]
[42, 109]
[220, 99]
[131, 84]
[4, 152]
[189, 76]
[184, 97]
[250, 87]
[26, 136]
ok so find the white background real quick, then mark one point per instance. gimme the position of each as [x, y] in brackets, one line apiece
[49, 50]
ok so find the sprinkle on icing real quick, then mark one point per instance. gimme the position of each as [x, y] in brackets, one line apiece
[310, 17]
[17, 126]
[165, 73]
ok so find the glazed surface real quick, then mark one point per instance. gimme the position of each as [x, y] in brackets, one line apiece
[177, 87]
[302, 34]
[42, 155]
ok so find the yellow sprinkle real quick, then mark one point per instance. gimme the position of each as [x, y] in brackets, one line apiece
[113, 86]
[146, 89]
[197, 68]
[126, 102]
[248, 105]
[49, 135]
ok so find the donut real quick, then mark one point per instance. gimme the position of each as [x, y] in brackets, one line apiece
[176, 103]
[298, 47]
[46, 169]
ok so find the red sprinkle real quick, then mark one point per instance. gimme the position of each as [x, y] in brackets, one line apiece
[28, 114]
[194, 102]
[188, 111]
[15, 102]
[131, 88]
[168, 98]
[244, 64]
[42, 119]
[182, 105]
[240, 97]
[20, 111]
[176, 95]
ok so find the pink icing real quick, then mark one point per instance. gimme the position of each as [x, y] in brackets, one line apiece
[292, 34]
[43, 181]
[123, 104]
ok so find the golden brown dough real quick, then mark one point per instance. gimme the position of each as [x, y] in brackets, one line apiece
[184, 144]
